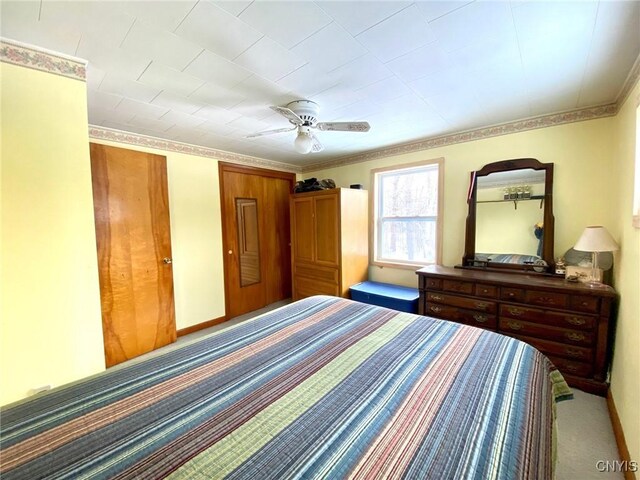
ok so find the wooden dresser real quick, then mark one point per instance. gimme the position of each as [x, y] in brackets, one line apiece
[570, 323]
[329, 241]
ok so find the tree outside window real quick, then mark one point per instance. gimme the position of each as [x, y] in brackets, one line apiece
[407, 206]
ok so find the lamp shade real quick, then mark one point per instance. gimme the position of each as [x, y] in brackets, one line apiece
[596, 239]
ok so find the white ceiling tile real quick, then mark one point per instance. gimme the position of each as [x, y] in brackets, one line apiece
[218, 96]
[182, 120]
[157, 125]
[275, 19]
[356, 18]
[99, 99]
[330, 48]
[177, 103]
[217, 70]
[112, 59]
[501, 51]
[259, 91]
[441, 83]
[108, 114]
[436, 9]
[147, 110]
[308, 80]
[95, 76]
[426, 60]
[234, 7]
[337, 97]
[216, 128]
[170, 80]
[125, 87]
[97, 20]
[473, 23]
[217, 30]
[269, 59]
[358, 111]
[160, 45]
[385, 90]
[19, 21]
[361, 72]
[397, 35]
[253, 109]
[216, 114]
[552, 100]
[248, 125]
[162, 14]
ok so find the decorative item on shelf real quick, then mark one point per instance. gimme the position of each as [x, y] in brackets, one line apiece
[527, 191]
[583, 274]
[505, 195]
[561, 266]
[513, 193]
[539, 266]
[519, 192]
[595, 239]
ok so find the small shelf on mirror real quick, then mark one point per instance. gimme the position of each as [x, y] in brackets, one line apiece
[515, 200]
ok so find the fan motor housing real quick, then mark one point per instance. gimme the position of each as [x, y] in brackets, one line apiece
[306, 110]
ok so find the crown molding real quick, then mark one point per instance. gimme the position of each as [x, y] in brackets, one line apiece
[532, 123]
[629, 83]
[36, 58]
[112, 135]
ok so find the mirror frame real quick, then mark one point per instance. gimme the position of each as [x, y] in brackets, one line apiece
[469, 260]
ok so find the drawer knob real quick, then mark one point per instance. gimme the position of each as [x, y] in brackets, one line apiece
[516, 312]
[570, 367]
[437, 297]
[481, 305]
[480, 318]
[514, 325]
[433, 308]
[576, 321]
[511, 294]
[574, 352]
[574, 336]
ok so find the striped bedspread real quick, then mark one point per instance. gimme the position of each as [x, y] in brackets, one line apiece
[321, 388]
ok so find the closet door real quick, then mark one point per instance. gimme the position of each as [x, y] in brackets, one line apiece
[256, 237]
[131, 208]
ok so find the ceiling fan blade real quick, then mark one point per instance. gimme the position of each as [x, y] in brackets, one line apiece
[288, 114]
[270, 132]
[344, 126]
[316, 146]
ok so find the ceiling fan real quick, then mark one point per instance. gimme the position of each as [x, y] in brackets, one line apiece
[303, 114]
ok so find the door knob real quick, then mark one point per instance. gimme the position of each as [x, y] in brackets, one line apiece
[230, 252]
[167, 260]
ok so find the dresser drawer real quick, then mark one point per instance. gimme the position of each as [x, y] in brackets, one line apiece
[307, 287]
[468, 317]
[529, 329]
[514, 294]
[548, 347]
[456, 286]
[546, 299]
[464, 302]
[554, 319]
[432, 283]
[571, 367]
[325, 274]
[585, 304]
[487, 291]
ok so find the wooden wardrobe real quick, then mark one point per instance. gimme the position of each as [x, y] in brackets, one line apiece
[329, 241]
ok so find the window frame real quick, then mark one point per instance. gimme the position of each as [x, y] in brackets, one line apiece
[374, 217]
[635, 214]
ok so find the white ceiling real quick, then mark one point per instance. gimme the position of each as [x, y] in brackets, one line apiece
[205, 72]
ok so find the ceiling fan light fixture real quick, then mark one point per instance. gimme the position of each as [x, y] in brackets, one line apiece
[303, 142]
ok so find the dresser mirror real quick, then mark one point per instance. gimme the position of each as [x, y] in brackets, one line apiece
[510, 221]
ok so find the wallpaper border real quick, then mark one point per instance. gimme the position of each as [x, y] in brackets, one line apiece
[37, 58]
[103, 133]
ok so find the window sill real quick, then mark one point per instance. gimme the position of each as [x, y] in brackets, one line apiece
[403, 266]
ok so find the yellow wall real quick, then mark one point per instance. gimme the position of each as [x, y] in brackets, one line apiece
[50, 306]
[583, 181]
[196, 235]
[625, 375]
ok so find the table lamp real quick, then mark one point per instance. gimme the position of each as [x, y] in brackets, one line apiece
[595, 239]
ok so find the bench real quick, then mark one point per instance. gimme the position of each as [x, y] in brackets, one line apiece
[404, 299]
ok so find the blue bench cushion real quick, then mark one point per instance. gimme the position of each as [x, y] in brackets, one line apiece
[404, 299]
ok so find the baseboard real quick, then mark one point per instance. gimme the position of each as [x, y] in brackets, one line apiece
[623, 450]
[201, 326]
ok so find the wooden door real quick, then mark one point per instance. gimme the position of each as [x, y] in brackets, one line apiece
[268, 192]
[133, 237]
[327, 225]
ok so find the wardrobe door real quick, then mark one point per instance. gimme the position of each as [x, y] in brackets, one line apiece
[327, 229]
[303, 238]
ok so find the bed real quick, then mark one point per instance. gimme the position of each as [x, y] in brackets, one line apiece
[321, 388]
[513, 258]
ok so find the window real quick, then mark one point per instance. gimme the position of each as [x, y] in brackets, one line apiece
[407, 212]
